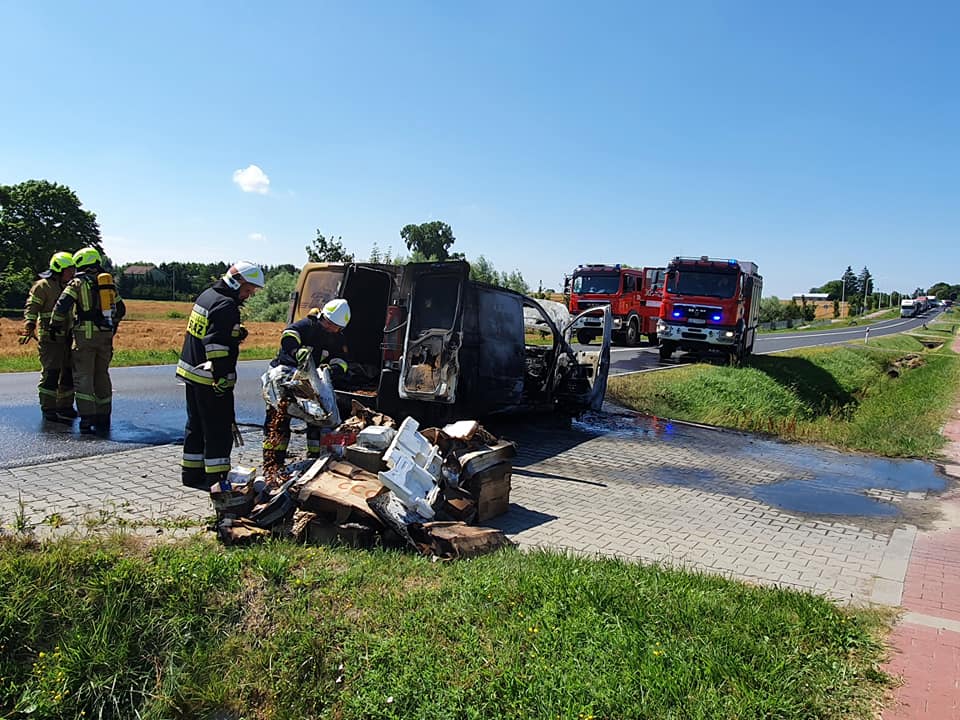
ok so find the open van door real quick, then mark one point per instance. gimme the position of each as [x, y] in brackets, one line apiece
[430, 364]
[580, 377]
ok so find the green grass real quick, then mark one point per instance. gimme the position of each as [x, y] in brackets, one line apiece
[103, 628]
[127, 358]
[842, 396]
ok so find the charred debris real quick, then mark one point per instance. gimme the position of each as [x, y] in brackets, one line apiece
[377, 483]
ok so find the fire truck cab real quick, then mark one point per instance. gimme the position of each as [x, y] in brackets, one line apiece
[710, 304]
[633, 295]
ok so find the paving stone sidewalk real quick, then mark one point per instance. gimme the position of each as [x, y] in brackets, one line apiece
[639, 490]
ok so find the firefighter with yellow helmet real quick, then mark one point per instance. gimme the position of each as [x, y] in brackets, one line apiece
[56, 374]
[91, 306]
[208, 369]
[319, 335]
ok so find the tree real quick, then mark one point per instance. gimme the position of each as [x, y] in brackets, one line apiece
[482, 270]
[771, 309]
[328, 249]
[848, 282]
[833, 289]
[375, 255]
[865, 283]
[39, 218]
[432, 239]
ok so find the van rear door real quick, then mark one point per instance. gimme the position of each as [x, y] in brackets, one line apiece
[430, 365]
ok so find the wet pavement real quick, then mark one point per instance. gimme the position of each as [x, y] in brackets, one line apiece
[617, 484]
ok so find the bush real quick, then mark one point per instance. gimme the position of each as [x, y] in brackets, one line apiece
[272, 303]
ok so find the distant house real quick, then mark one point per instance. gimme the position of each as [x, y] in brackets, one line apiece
[145, 273]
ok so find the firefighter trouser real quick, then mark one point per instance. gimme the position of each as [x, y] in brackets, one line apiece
[208, 436]
[56, 374]
[276, 438]
[92, 354]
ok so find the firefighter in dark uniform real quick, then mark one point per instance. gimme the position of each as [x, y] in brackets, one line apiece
[208, 368]
[92, 302]
[56, 373]
[317, 335]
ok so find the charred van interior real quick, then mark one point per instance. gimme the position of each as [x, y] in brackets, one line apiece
[427, 341]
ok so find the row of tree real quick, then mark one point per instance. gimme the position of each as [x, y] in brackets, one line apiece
[39, 218]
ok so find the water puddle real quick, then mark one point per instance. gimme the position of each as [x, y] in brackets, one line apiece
[795, 478]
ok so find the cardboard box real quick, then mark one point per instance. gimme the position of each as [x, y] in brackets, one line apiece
[490, 489]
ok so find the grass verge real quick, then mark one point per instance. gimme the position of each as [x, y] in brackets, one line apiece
[888, 397]
[110, 628]
[128, 358]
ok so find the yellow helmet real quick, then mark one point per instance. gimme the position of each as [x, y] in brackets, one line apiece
[86, 257]
[61, 261]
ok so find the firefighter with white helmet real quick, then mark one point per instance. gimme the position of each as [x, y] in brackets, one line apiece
[208, 368]
[91, 304]
[56, 373]
[318, 335]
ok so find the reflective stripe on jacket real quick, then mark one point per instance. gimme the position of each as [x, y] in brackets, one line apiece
[212, 341]
[41, 301]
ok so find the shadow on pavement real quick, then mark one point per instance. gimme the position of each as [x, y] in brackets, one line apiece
[518, 518]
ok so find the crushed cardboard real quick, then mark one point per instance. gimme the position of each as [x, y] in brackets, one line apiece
[333, 500]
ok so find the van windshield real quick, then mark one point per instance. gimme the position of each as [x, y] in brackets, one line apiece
[701, 282]
[596, 284]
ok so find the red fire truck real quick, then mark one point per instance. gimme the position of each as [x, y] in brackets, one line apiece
[710, 304]
[633, 295]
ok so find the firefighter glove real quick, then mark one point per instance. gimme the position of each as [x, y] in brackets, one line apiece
[54, 330]
[242, 334]
[23, 339]
[220, 385]
[338, 366]
[303, 354]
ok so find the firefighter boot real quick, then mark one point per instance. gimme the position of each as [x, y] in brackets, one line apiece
[55, 416]
[196, 479]
[102, 423]
[67, 412]
[87, 423]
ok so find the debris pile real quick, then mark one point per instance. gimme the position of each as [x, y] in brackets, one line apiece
[378, 484]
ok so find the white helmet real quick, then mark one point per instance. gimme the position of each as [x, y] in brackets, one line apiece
[338, 312]
[244, 271]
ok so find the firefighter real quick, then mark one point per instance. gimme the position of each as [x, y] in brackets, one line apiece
[208, 368]
[318, 335]
[56, 374]
[90, 304]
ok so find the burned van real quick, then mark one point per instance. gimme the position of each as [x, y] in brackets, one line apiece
[425, 340]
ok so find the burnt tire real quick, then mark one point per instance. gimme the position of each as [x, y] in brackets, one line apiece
[632, 335]
[584, 337]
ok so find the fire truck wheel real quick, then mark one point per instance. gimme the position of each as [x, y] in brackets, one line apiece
[632, 335]
[584, 337]
[666, 351]
[652, 337]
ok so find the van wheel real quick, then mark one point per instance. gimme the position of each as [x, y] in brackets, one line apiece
[666, 351]
[632, 336]
[584, 337]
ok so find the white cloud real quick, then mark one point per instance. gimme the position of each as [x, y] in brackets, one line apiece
[252, 179]
[256, 237]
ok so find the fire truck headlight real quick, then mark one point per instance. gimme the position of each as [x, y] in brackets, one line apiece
[728, 333]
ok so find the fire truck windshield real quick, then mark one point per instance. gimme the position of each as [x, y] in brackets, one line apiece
[596, 284]
[700, 282]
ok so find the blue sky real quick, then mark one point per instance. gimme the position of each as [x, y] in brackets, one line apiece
[801, 136]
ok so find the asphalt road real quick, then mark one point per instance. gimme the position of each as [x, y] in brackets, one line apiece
[149, 406]
[646, 357]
